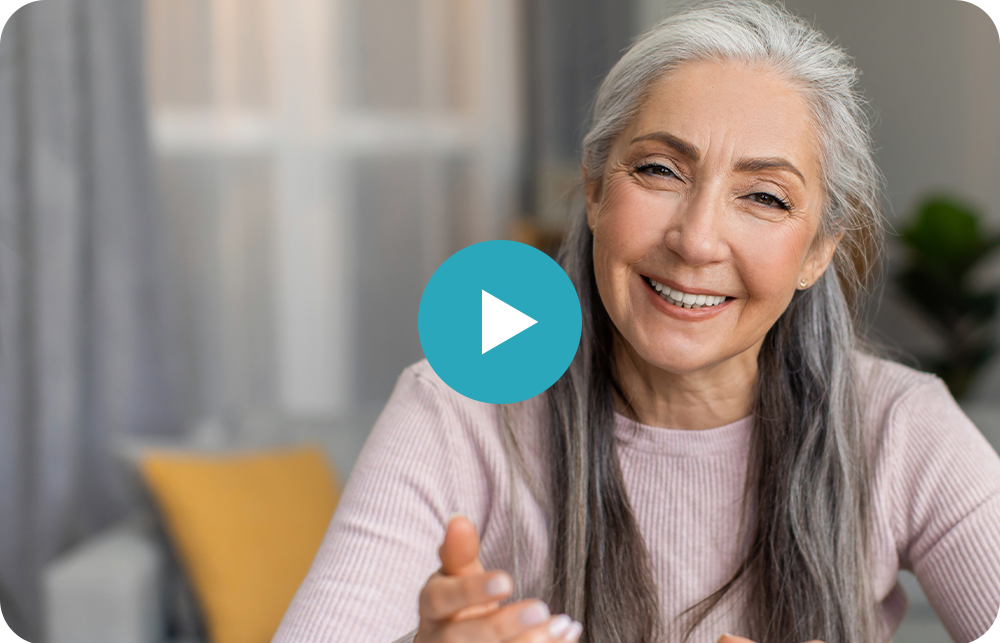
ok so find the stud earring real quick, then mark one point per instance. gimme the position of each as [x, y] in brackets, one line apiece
[803, 283]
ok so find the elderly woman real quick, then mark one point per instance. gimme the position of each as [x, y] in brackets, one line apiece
[721, 456]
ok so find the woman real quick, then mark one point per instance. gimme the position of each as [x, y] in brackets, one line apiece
[721, 456]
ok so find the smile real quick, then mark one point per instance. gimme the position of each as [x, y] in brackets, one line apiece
[684, 299]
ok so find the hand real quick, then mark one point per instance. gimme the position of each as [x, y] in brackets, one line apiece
[729, 638]
[460, 603]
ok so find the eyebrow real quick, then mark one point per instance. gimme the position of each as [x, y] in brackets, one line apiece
[773, 163]
[683, 148]
[691, 152]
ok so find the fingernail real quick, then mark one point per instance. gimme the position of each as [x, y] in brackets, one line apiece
[559, 625]
[454, 515]
[534, 614]
[498, 585]
[722, 637]
[574, 632]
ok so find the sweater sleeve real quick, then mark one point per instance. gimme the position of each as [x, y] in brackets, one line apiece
[946, 483]
[382, 543]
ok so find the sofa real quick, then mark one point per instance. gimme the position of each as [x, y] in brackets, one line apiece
[124, 584]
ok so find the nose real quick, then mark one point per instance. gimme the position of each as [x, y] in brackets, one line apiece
[695, 232]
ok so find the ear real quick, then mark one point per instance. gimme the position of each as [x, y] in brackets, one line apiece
[818, 260]
[592, 190]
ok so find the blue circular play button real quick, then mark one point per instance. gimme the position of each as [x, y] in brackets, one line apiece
[499, 322]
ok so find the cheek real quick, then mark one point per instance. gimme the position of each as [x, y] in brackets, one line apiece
[628, 225]
[626, 232]
[770, 266]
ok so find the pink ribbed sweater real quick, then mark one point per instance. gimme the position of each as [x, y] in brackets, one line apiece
[433, 452]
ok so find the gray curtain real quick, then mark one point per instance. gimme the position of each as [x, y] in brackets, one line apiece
[84, 347]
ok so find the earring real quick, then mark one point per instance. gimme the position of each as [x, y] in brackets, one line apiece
[803, 283]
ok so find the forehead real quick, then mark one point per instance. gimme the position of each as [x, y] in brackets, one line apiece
[732, 109]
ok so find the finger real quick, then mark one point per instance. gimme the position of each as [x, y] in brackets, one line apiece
[557, 629]
[729, 638]
[459, 552]
[502, 624]
[445, 596]
[475, 611]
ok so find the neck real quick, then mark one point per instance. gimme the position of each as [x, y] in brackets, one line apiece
[710, 397]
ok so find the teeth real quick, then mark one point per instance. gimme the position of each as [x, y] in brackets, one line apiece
[684, 299]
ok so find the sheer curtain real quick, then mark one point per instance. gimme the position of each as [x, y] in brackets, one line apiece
[84, 347]
[318, 159]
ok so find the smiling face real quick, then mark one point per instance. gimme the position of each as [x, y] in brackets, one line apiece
[712, 191]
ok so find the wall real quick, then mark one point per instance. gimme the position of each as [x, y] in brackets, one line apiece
[931, 69]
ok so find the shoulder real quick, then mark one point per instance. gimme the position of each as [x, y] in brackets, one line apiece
[422, 372]
[911, 411]
[419, 388]
[420, 385]
[907, 406]
[886, 384]
[423, 409]
[934, 467]
[420, 380]
[422, 405]
[893, 394]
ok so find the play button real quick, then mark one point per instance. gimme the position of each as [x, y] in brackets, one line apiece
[499, 322]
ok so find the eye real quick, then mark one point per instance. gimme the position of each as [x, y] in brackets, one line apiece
[655, 169]
[769, 200]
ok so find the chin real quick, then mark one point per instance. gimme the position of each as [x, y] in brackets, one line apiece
[671, 357]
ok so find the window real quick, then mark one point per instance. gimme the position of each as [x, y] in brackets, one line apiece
[317, 160]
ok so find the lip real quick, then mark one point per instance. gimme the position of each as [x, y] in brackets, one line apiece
[687, 314]
[676, 286]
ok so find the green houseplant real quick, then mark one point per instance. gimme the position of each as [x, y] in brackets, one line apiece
[946, 244]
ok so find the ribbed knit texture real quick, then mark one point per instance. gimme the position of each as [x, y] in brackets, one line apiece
[433, 452]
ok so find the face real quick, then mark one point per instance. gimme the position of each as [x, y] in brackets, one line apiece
[711, 194]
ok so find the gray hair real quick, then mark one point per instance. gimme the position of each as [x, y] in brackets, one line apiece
[808, 480]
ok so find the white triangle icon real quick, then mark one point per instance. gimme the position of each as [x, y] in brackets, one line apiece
[501, 321]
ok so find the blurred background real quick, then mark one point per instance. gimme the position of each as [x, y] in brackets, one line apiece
[217, 218]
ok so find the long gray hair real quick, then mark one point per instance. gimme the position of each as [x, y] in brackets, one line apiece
[804, 575]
